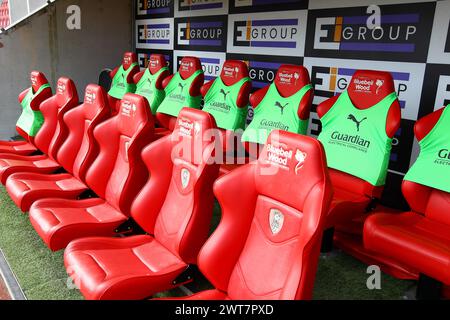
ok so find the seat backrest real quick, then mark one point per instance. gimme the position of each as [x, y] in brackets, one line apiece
[157, 61]
[181, 91]
[176, 203]
[53, 132]
[188, 66]
[30, 121]
[368, 87]
[233, 71]
[290, 79]
[279, 109]
[128, 59]
[37, 79]
[268, 241]
[356, 125]
[226, 99]
[79, 149]
[426, 198]
[118, 173]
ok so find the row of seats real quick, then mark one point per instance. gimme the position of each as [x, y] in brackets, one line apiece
[103, 186]
[168, 193]
[226, 98]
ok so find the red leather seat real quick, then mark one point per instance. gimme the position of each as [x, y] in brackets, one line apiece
[354, 197]
[75, 155]
[232, 140]
[175, 206]
[420, 238]
[156, 62]
[190, 66]
[286, 89]
[27, 147]
[116, 176]
[268, 242]
[49, 138]
[129, 58]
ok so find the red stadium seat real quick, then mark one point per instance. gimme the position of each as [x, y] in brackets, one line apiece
[353, 196]
[175, 206]
[289, 81]
[420, 238]
[129, 61]
[116, 176]
[188, 67]
[267, 244]
[157, 67]
[151, 86]
[27, 147]
[229, 106]
[49, 138]
[75, 155]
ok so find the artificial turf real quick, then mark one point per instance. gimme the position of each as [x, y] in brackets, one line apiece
[42, 275]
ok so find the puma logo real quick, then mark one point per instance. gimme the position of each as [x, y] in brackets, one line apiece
[181, 86]
[358, 123]
[149, 82]
[224, 93]
[277, 104]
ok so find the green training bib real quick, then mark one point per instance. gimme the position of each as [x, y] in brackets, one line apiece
[276, 113]
[146, 87]
[355, 140]
[432, 167]
[120, 86]
[30, 121]
[178, 97]
[220, 102]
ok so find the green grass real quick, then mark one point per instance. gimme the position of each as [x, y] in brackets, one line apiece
[40, 272]
[42, 275]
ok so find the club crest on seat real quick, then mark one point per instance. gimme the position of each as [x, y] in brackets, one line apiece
[185, 177]
[276, 221]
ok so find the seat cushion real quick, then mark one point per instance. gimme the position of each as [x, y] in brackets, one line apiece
[11, 163]
[413, 240]
[59, 221]
[17, 147]
[345, 207]
[121, 268]
[26, 188]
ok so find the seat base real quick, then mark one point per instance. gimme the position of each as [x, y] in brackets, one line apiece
[11, 163]
[131, 268]
[26, 188]
[22, 148]
[59, 221]
[412, 239]
[353, 245]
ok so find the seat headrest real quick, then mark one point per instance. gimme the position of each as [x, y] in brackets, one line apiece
[233, 71]
[128, 59]
[157, 61]
[188, 66]
[290, 79]
[37, 79]
[368, 87]
[65, 91]
[192, 133]
[133, 113]
[94, 101]
[290, 162]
